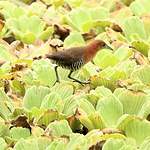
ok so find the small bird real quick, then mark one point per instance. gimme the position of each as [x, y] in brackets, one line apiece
[76, 57]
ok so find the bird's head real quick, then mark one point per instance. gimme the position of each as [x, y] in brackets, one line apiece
[99, 44]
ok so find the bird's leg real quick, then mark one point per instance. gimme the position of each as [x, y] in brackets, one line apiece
[57, 76]
[76, 80]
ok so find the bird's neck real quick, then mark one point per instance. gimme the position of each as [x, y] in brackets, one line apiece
[91, 51]
[93, 47]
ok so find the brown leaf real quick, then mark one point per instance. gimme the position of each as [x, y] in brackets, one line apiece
[1, 16]
[61, 31]
[6, 86]
[67, 7]
[16, 45]
[21, 121]
[9, 39]
[2, 62]
[122, 83]
[97, 146]
[139, 57]
[116, 27]
[1, 24]
[89, 35]
[119, 5]
[18, 67]
[111, 131]
[56, 45]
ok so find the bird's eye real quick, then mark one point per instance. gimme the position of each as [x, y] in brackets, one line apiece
[103, 44]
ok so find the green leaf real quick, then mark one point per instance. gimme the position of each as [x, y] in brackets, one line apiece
[118, 144]
[43, 142]
[105, 58]
[77, 141]
[37, 8]
[123, 53]
[44, 72]
[46, 33]
[139, 7]
[96, 136]
[59, 128]
[141, 46]
[4, 130]
[146, 144]
[99, 13]
[132, 101]
[114, 144]
[3, 144]
[5, 54]
[18, 87]
[86, 106]
[142, 73]
[34, 96]
[134, 29]
[77, 17]
[53, 101]
[10, 10]
[110, 109]
[6, 106]
[70, 106]
[64, 90]
[135, 127]
[46, 117]
[74, 39]
[31, 144]
[28, 37]
[17, 133]
[56, 145]
[28, 32]
[92, 121]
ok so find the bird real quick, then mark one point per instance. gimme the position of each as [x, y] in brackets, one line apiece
[75, 58]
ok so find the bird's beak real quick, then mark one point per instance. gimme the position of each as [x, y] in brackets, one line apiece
[108, 47]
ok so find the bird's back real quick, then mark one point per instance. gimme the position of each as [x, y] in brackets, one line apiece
[72, 58]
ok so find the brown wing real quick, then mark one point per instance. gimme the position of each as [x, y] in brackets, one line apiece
[70, 58]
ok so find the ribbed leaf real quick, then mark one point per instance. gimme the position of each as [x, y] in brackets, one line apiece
[92, 121]
[59, 128]
[105, 58]
[17, 133]
[43, 142]
[44, 72]
[134, 29]
[117, 144]
[135, 128]
[146, 144]
[95, 136]
[77, 141]
[139, 7]
[132, 101]
[74, 39]
[57, 145]
[3, 144]
[64, 90]
[46, 117]
[53, 101]
[110, 109]
[34, 96]
[31, 144]
[142, 73]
